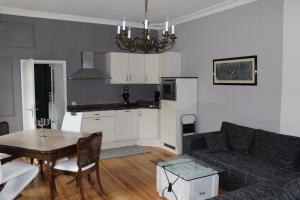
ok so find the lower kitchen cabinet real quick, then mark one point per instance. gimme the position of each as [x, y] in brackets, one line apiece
[127, 124]
[149, 124]
[101, 121]
[124, 127]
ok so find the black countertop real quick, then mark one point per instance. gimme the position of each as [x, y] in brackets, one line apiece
[112, 106]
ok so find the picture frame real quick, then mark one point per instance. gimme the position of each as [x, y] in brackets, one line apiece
[235, 71]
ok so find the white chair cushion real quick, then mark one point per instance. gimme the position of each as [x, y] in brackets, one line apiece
[4, 155]
[71, 165]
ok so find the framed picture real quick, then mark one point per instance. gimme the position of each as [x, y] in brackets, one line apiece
[235, 71]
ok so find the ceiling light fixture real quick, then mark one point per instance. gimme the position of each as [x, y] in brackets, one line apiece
[146, 43]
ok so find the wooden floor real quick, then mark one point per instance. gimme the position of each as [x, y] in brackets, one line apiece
[127, 178]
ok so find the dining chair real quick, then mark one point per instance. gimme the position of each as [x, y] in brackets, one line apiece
[14, 177]
[4, 129]
[72, 122]
[86, 161]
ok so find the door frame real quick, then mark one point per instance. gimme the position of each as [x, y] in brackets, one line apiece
[63, 63]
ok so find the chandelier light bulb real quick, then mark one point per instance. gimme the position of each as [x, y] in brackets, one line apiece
[124, 25]
[129, 33]
[167, 26]
[119, 29]
[173, 29]
[146, 22]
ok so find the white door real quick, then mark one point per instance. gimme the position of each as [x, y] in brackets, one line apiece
[136, 66]
[117, 67]
[152, 69]
[149, 123]
[28, 94]
[127, 124]
[56, 97]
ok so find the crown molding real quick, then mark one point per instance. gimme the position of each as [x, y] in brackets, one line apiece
[226, 5]
[64, 17]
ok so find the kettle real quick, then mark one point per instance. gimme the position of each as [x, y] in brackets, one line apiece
[125, 95]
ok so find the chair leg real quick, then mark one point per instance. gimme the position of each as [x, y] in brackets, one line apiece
[81, 186]
[41, 164]
[98, 179]
[90, 179]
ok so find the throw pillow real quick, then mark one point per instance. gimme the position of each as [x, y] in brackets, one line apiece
[240, 138]
[216, 142]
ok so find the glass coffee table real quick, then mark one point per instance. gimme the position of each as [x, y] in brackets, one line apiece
[185, 178]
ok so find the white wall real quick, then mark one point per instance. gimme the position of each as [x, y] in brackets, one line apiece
[290, 101]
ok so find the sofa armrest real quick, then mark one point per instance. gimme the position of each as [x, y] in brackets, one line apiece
[194, 142]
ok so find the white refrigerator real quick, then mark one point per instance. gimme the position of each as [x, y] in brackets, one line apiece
[183, 103]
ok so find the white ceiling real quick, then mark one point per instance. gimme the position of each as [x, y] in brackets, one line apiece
[115, 10]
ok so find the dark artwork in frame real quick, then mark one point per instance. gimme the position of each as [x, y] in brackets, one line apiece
[235, 71]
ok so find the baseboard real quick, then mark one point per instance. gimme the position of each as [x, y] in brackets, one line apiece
[117, 144]
[149, 142]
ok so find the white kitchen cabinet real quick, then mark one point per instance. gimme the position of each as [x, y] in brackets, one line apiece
[170, 64]
[117, 67]
[99, 121]
[127, 124]
[149, 124]
[136, 68]
[129, 68]
[152, 69]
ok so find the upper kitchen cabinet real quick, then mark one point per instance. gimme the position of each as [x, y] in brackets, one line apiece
[152, 70]
[136, 68]
[170, 64]
[129, 68]
[117, 67]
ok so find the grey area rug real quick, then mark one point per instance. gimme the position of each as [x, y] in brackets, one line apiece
[123, 151]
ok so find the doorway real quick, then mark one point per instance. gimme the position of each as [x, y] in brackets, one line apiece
[43, 92]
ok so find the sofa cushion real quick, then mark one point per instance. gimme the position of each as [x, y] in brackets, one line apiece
[291, 190]
[245, 193]
[240, 138]
[241, 169]
[216, 142]
[281, 150]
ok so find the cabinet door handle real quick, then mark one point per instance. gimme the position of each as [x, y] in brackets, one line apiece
[96, 119]
[146, 78]
[96, 114]
[130, 77]
[127, 77]
[127, 111]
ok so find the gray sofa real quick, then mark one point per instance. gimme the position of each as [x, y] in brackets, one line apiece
[259, 164]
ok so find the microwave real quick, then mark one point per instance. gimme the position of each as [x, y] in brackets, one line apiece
[168, 89]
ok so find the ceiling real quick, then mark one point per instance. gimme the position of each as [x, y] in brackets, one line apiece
[115, 10]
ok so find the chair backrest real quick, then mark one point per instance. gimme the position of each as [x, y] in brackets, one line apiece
[88, 150]
[72, 122]
[4, 128]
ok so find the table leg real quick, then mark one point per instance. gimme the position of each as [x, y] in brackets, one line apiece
[51, 179]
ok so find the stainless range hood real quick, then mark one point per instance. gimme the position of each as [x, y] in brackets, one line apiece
[88, 71]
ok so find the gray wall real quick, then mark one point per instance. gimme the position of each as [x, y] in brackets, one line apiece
[252, 29]
[23, 38]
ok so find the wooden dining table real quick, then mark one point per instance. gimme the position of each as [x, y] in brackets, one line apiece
[46, 145]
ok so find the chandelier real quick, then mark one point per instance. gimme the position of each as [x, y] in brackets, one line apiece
[145, 42]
